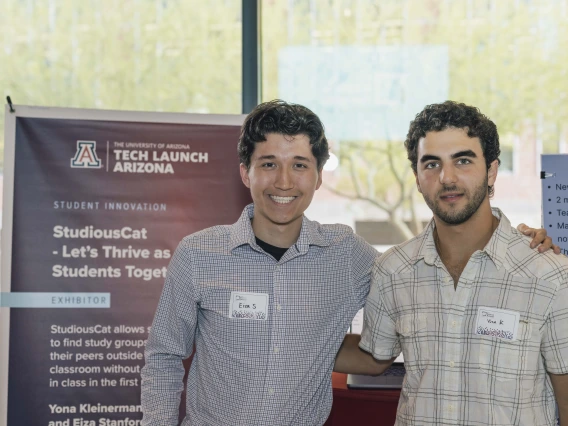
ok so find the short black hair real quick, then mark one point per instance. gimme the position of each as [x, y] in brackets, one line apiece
[450, 114]
[278, 116]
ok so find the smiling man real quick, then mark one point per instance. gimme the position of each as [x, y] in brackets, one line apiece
[265, 301]
[481, 317]
[282, 175]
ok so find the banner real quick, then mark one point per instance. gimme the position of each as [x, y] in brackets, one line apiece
[554, 178]
[95, 203]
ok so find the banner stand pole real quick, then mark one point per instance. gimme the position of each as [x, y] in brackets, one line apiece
[12, 110]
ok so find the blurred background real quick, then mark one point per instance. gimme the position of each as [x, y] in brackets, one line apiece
[365, 67]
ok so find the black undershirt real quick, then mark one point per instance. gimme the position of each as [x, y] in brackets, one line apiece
[275, 252]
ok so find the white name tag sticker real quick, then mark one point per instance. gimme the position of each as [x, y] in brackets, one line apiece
[253, 306]
[499, 323]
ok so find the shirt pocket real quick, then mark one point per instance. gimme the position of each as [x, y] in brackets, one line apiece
[504, 359]
[413, 331]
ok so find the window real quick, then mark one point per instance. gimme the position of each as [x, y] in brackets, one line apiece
[367, 67]
[153, 55]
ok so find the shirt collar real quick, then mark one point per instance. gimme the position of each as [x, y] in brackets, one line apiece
[242, 233]
[495, 249]
[498, 245]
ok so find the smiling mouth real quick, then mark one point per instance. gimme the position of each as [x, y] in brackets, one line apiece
[282, 200]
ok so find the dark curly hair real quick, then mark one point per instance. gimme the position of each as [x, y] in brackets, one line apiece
[450, 114]
[284, 118]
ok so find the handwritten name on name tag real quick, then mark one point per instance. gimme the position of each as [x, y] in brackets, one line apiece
[253, 306]
[499, 323]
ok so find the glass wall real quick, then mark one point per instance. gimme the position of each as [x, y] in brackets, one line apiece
[368, 67]
[365, 66]
[166, 55]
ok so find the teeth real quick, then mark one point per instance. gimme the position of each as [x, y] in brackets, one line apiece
[282, 200]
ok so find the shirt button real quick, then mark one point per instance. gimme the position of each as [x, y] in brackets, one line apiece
[454, 323]
[270, 391]
[278, 307]
[450, 408]
[452, 364]
[447, 279]
[276, 349]
[277, 268]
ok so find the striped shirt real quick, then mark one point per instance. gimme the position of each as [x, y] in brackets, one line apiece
[462, 369]
[274, 370]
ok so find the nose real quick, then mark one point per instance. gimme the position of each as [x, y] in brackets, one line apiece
[448, 175]
[284, 180]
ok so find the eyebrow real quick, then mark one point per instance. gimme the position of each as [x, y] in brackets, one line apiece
[425, 158]
[464, 153]
[273, 157]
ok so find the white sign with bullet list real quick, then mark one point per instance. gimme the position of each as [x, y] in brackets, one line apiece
[554, 178]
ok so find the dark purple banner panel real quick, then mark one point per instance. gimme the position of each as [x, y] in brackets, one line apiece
[99, 207]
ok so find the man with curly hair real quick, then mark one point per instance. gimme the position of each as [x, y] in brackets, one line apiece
[480, 316]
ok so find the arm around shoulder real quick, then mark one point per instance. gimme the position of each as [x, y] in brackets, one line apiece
[352, 359]
[539, 237]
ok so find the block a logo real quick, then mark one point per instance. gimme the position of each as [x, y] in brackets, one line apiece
[86, 156]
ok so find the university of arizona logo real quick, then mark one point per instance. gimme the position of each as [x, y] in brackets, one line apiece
[86, 156]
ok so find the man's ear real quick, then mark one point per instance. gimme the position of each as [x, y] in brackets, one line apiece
[320, 179]
[417, 183]
[244, 175]
[492, 172]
